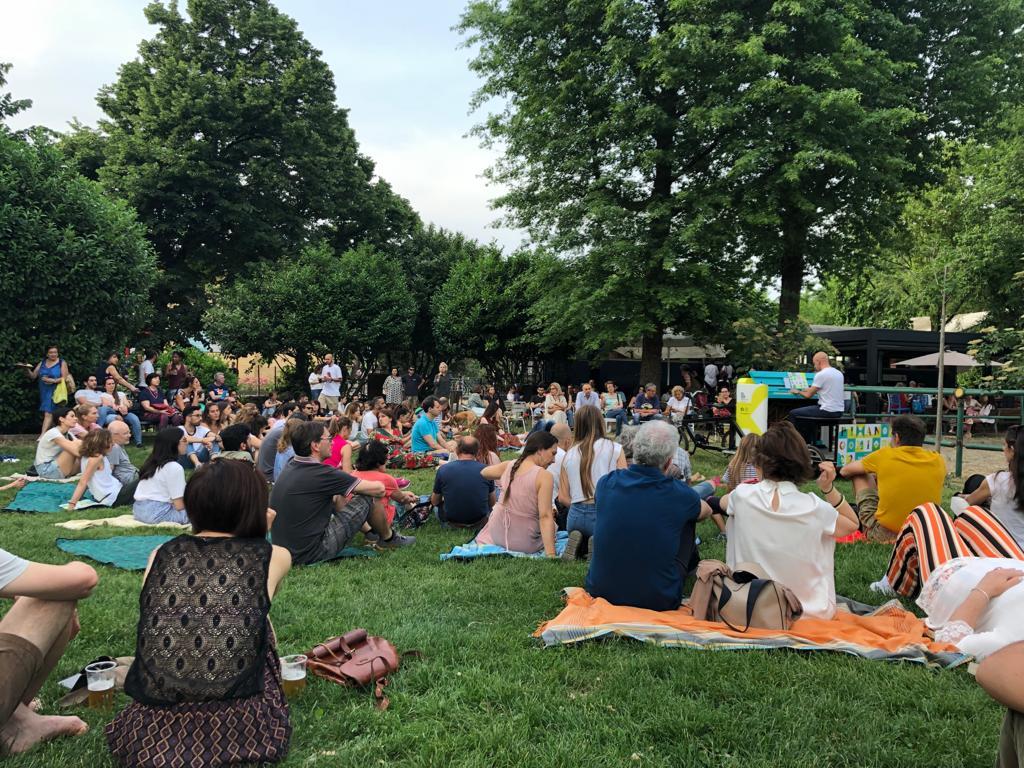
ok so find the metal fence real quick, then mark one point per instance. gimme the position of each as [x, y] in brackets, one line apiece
[959, 415]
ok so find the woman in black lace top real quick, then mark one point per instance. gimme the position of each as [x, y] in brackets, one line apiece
[206, 678]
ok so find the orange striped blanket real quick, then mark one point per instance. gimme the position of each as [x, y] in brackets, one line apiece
[891, 633]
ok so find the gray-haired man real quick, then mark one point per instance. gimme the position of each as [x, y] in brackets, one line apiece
[644, 542]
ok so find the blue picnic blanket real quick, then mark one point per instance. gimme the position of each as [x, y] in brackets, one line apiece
[473, 550]
[131, 553]
[40, 496]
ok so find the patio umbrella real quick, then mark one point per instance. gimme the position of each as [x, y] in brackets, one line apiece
[952, 359]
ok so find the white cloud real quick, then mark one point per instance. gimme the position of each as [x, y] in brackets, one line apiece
[442, 176]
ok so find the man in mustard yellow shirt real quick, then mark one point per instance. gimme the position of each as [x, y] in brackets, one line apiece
[891, 481]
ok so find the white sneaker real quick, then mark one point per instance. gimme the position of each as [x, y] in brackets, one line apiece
[882, 586]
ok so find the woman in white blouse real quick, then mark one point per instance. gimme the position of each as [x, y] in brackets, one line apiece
[555, 404]
[789, 533]
[678, 406]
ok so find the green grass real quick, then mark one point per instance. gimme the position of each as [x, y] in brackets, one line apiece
[487, 694]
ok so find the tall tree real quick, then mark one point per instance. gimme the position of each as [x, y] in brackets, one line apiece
[225, 136]
[610, 125]
[304, 305]
[76, 265]
[846, 108]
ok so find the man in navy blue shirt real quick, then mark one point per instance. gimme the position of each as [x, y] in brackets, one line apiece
[647, 406]
[644, 542]
[461, 494]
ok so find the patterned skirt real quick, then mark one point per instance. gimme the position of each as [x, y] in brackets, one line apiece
[254, 729]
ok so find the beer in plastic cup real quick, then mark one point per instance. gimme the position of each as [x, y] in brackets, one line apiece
[293, 674]
[99, 678]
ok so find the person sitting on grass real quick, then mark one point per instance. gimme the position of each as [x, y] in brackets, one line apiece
[205, 683]
[890, 482]
[370, 464]
[192, 395]
[235, 440]
[97, 475]
[370, 418]
[462, 497]
[976, 604]
[120, 465]
[215, 418]
[159, 496]
[57, 450]
[268, 448]
[34, 632]
[399, 456]
[340, 430]
[523, 520]
[320, 508]
[119, 409]
[87, 416]
[155, 408]
[742, 469]
[198, 438]
[929, 538]
[789, 533]
[644, 542]
[425, 433]
[591, 457]
[271, 404]
[285, 451]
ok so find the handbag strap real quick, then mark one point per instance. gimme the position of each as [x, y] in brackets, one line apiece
[754, 589]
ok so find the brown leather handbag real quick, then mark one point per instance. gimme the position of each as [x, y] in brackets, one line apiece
[356, 659]
[743, 598]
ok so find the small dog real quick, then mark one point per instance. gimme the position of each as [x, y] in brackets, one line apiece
[464, 420]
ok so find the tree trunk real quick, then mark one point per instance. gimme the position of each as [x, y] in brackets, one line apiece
[650, 361]
[794, 240]
[301, 369]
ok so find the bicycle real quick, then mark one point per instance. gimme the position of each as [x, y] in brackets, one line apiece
[697, 432]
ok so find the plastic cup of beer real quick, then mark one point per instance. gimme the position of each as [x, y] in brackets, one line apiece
[293, 674]
[99, 678]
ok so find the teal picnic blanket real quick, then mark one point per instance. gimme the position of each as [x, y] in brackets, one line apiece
[128, 552]
[472, 550]
[131, 553]
[38, 496]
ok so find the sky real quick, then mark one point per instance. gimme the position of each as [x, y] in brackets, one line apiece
[397, 65]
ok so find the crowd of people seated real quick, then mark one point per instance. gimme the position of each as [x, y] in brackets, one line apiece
[296, 481]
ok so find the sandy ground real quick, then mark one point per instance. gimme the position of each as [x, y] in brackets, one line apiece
[977, 462]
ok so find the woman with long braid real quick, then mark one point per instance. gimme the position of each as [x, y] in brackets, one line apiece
[524, 520]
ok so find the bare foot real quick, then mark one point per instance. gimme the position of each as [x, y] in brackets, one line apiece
[25, 729]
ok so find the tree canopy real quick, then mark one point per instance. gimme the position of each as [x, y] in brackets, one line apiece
[77, 265]
[225, 136]
[669, 148]
[352, 304]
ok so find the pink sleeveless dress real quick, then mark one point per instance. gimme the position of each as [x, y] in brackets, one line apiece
[515, 523]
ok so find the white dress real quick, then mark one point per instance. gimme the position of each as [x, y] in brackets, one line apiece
[1000, 625]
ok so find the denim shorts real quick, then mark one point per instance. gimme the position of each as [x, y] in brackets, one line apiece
[49, 470]
[153, 511]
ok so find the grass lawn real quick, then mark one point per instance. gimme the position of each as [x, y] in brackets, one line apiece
[487, 694]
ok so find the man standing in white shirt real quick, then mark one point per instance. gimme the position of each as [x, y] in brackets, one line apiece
[711, 377]
[330, 380]
[827, 386]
